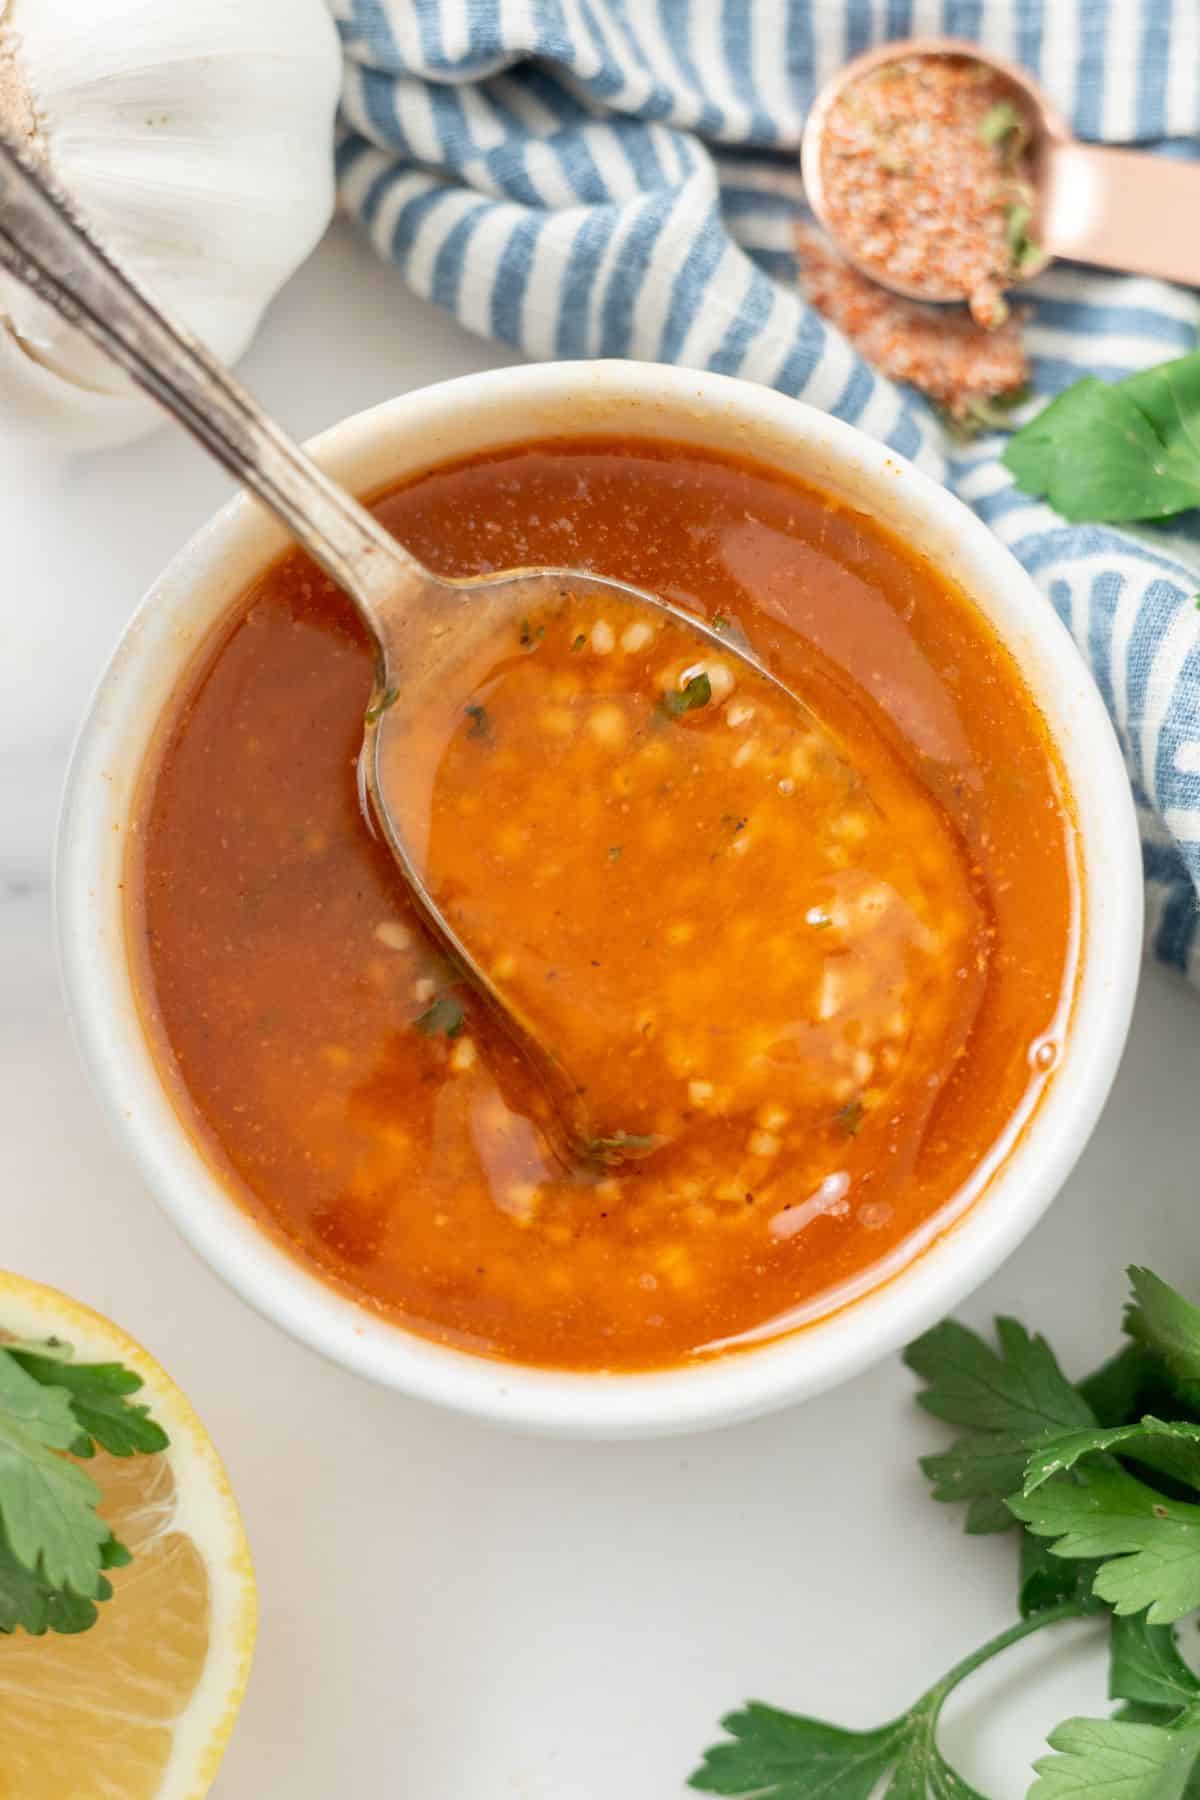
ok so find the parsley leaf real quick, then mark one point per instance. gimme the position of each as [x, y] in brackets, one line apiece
[481, 725]
[1116, 451]
[1151, 1545]
[1166, 1324]
[1146, 1666]
[30, 1603]
[1118, 1759]
[54, 1545]
[1172, 1450]
[781, 1756]
[445, 1014]
[98, 1396]
[47, 1504]
[695, 693]
[778, 1756]
[1047, 1580]
[1012, 1399]
[1123, 1388]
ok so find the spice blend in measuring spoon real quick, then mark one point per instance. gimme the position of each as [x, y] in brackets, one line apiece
[926, 180]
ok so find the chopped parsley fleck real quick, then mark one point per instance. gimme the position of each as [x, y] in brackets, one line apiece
[696, 693]
[580, 641]
[614, 852]
[1023, 248]
[445, 1015]
[850, 1117]
[998, 121]
[531, 634]
[377, 708]
[481, 725]
[720, 622]
[618, 1146]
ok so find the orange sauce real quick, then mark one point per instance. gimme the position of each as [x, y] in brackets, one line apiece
[801, 960]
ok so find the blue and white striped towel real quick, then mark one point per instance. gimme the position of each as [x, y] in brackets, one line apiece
[619, 178]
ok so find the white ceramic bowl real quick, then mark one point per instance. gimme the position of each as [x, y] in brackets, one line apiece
[932, 1273]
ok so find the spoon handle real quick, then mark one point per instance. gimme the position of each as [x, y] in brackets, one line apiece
[1122, 209]
[45, 246]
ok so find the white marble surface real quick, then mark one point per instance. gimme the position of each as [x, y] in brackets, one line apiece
[449, 1614]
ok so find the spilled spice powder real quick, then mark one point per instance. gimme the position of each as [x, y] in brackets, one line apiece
[970, 372]
[925, 167]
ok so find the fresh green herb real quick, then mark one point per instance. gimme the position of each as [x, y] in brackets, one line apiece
[54, 1545]
[1150, 1544]
[1011, 1400]
[720, 622]
[1117, 1758]
[617, 1147]
[780, 1756]
[999, 122]
[1111, 452]
[580, 641]
[695, 693]
[481, 725]
[1146, 1668]
[1022, 248]
[377, 708]
[445, 1015]
[614, 852]
[99, 1395]
[531, 634]
[1109, 1500]
[850, 1117]
[1167, 1325]
[1171, 1449]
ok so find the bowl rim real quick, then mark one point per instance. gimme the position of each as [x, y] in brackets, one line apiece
[957, 1254]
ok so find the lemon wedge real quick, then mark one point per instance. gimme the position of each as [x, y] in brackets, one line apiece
[141, 1706]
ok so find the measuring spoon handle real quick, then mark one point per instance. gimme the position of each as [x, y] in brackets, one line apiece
[1122, 209]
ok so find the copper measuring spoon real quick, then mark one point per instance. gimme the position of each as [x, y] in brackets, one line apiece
[1119, 209]
[428, 630]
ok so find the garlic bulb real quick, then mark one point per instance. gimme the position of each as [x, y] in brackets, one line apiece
[196, 137]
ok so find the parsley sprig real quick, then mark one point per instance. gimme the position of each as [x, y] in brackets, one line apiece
[1106, 1496]
[54, 1545]
[1108, 452]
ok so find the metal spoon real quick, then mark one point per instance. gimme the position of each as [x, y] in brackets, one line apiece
[427, 629]
[1119, 209]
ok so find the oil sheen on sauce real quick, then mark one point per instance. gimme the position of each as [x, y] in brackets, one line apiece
[806, 964]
